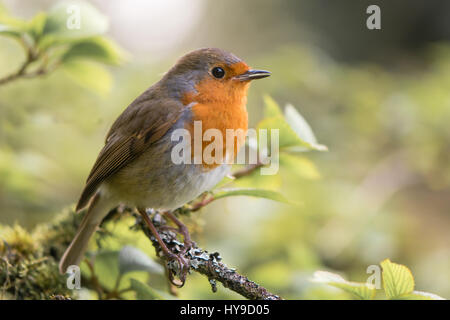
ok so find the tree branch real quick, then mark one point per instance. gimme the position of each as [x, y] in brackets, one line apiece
[51, 239]
[208, 264]
[248, 170]
[32, 55]
[199, 259]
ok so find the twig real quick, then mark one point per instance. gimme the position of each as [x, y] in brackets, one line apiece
[19, 73]
[94, 280]
[200, 260]
[205, 263]
[32, 56]
[248, 170]
[207, 198]
[218, 271]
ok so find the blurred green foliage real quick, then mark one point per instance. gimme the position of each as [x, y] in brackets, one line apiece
[382, 190]
[398, 284]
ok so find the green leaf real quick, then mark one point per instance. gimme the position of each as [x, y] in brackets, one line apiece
[226, 180]
[361, 290]
[10, 31]
[106, 267]
[10, 26]
[291, 132]
[10, 21]
[301, 127]
[96, 48]
[133, 259]
[89, 75]
[397, 279]
[288, 137]
[420, 295]
[37, 24]
[143, 291]
[272, 109]
[252, 192]
[300, 166]
[269, 181]
[61, 22]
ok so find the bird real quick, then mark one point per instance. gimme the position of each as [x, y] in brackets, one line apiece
[135, 166]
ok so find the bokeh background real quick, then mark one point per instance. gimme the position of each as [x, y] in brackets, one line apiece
[379, 99]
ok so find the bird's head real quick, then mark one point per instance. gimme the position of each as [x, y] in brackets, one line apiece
[211, 74]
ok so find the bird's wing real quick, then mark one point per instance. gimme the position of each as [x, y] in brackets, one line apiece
[136, 129]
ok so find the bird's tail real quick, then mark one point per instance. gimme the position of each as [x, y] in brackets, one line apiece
[98, 209]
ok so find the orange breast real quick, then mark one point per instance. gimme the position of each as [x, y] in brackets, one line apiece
[219, 105]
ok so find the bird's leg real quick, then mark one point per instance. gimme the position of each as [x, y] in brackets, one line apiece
[184, 265]
[155, 233]
[168, 228]
[183, 230]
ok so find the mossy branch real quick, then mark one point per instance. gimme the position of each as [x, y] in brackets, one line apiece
[208, 264]
[29, 262]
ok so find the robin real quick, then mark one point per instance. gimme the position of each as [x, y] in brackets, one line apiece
[135, 165]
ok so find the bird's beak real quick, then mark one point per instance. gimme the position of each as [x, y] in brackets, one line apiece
[253, 74]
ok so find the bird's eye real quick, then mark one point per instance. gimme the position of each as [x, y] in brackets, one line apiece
[218, 72]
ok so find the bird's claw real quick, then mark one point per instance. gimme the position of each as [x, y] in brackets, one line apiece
[187, 242]
[181, 270]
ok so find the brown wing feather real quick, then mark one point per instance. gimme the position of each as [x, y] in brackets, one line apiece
[134, 131]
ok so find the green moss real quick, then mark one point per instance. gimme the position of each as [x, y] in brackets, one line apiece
[29, 261]
[18, 238]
